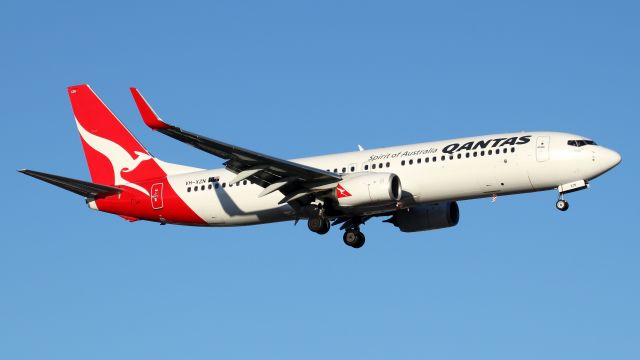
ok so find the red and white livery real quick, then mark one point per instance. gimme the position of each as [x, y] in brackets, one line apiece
[416, 186]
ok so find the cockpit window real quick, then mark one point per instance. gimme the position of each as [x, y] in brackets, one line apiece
[580, 143]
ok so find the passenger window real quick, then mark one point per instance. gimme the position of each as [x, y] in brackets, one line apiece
[388, 164]
[210, 186]
[475, 154]
[426, 160]
[353, 168]
[402, 163]
[366, 167]
[490, 152]
[442, 158]
[244, 182]
[419, 160]
[217, 185]
[434, 159]
[482, 153]
[202, 187]
[380, 166]
[344, 170]
[459, 156]
[195, 188]
[373, 166]
[504, 151]
[224, 184]
[513, 149]
[335, 171]
[467, 155]
[189, 189]
[410, 161]
[450, 157]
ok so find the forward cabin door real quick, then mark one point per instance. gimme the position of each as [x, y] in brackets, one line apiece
[542, 148]
[156, 196]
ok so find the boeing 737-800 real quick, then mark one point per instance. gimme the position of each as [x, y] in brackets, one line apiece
[416, 186]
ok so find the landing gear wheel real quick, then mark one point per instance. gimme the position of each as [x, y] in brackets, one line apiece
[562, 205]
[319, 224]
[353, 238]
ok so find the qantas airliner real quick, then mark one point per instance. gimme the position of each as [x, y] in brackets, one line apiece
[415, 186]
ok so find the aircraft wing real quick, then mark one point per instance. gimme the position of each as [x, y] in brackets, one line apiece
[291, 179]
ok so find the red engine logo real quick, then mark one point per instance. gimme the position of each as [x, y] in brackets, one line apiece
[341, 192]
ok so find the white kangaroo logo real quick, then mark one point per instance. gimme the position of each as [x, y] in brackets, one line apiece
[117, 155]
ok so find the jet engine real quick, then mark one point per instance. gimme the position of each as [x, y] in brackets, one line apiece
[368, 189]
[426, 217]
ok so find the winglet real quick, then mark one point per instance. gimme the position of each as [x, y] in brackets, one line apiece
[148, 115]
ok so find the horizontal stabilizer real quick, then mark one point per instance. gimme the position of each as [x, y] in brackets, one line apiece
[84, 188]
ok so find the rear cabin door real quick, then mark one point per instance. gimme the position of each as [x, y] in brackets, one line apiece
[542, 148]
[156, 196]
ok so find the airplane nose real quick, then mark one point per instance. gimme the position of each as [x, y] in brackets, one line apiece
[609, 158]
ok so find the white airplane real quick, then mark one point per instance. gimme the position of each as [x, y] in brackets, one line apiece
[416, 186]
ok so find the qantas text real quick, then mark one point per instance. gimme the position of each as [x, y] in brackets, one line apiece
[483, 144]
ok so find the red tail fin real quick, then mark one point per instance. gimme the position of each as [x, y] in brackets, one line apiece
[113, 155]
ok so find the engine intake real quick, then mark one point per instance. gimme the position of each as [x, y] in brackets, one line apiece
[368, 189]
[427, 217]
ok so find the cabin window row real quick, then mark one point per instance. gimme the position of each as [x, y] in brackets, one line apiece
[459, 156]
[216, 185]
[352, 168]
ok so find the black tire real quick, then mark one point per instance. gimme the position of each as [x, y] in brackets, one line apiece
[360, 241]
[350, 237]
[326, 226]
[353, 238]
[316, 224]
[562, 205]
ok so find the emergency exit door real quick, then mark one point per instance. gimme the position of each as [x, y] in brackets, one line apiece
[156, 196]
[542, 148]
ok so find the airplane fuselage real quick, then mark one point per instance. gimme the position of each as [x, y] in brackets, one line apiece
[449, 170]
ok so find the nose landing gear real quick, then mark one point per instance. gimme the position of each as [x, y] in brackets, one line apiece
[562, 204]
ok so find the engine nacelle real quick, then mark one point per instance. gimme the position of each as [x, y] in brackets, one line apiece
[427, 217]
[368, 189]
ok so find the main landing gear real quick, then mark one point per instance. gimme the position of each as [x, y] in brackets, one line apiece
[320, 224]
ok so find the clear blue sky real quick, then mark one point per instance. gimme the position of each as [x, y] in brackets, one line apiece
[515, 280]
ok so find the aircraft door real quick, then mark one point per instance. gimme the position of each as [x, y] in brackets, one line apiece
[156, 196]
[542, 148]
